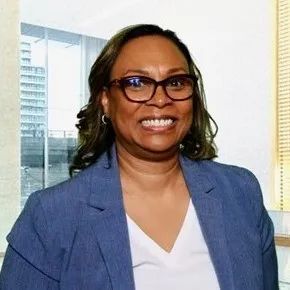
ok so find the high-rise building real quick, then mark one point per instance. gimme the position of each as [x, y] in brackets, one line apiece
[32, 94]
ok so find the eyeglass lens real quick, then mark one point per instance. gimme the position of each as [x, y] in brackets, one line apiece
[143, 88]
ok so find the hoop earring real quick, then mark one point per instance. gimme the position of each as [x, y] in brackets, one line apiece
[104, 119]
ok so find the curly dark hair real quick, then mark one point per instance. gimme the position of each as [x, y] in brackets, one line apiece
[95, 138]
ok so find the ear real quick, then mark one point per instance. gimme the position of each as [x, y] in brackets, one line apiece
[105, 101]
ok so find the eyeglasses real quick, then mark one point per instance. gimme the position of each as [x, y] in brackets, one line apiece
[142, 89]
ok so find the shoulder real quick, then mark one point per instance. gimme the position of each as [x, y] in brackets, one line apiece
[223, 174]
[47, 224]
[239, 188]
[67, 197]
[234, 179]
[236, 187]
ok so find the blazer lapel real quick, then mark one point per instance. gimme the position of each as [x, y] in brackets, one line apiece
[110, 224]
[205, 198]
[112, 236]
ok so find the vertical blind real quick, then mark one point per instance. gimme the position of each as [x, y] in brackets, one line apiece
[283, 102]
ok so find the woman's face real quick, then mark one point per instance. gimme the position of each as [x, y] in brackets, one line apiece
[139, 127]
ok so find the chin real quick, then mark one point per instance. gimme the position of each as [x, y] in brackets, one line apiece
[160, 143]
[160, 148]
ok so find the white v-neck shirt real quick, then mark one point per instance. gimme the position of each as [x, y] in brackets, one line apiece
[187, 267]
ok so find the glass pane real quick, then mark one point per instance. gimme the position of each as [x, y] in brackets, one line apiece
[54, 69]
[64, 77]
[33, 110]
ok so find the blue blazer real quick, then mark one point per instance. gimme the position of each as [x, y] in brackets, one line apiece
[74, 236]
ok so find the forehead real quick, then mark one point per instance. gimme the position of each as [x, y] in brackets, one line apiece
[149, 53]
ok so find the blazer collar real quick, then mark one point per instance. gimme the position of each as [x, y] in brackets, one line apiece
[107, 220]
[104, 181]
[197, 179]
[206, 198]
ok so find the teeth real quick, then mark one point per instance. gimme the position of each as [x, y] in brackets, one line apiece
[157, 122]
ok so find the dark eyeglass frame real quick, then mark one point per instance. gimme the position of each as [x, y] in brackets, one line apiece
[121, 83]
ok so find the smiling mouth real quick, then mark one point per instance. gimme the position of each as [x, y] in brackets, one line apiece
[163, 122]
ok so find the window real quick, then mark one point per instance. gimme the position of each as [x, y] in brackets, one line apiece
[53, 75]
[282, 199]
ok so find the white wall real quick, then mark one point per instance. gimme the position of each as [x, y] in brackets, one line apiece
[231, 41]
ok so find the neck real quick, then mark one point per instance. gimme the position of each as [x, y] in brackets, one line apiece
[155, 177]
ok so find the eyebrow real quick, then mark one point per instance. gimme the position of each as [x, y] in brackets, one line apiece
[145, 72]
[176, 69]
[138, 71]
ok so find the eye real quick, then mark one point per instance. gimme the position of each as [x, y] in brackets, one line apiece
[178, 83]
[135, 83]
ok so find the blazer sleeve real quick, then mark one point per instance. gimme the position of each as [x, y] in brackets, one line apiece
[29, 262]
[266, 229]
[18, 273]
[270, 267]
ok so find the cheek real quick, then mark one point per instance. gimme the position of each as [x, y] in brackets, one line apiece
[122, 113]
[187, 113]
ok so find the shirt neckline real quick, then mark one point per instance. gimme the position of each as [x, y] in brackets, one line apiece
[150, 244]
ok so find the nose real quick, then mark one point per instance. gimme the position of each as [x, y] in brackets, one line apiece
[160, 98]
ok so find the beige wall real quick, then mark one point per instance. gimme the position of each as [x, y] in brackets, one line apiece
[9, 118]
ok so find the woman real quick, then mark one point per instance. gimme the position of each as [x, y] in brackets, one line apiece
[147, 209]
